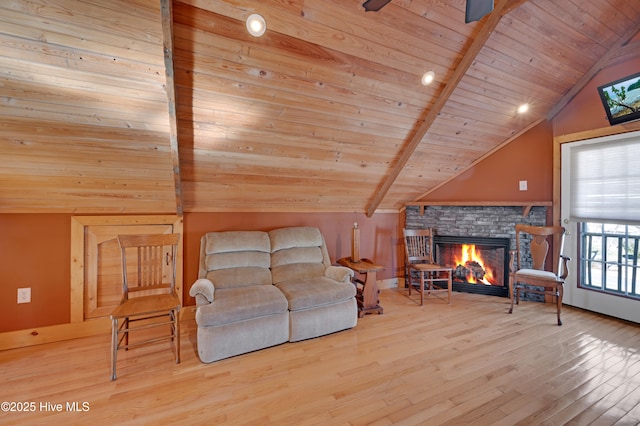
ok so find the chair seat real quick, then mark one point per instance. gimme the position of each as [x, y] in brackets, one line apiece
[145, 305]
[419, 251]
[429, 267]
[529, 280]
[538, 275]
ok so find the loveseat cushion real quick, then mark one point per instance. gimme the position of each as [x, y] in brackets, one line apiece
[297, 253]
[298, 236]
[233, 241]
[239, 277]
[314, 292]
[294, 255]
[236, 259]
[238, 304]
[296, 272]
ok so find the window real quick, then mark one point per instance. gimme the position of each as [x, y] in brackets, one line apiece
[609, 258]
[605, 180]
[600, 208]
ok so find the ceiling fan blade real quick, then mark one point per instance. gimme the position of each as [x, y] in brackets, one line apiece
[374, 5]
[477, 9]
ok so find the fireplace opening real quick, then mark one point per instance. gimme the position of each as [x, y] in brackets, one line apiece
[480, 264]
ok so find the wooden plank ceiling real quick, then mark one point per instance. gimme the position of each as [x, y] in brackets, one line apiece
[325, 112]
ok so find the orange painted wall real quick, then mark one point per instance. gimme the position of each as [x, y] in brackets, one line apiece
[379, 235]
[496, 178]
[34, 252]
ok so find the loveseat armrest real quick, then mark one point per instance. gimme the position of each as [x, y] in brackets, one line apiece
[203, 291]
[339, 273]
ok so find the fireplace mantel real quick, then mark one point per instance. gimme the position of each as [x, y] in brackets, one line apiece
[526, 205]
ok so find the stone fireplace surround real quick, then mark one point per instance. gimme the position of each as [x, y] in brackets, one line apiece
[477, 221]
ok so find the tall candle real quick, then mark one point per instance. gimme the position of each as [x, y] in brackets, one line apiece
[355, 243]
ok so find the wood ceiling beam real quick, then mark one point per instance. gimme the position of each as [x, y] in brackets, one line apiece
[502, 7]
[167, 47]
[606, 60]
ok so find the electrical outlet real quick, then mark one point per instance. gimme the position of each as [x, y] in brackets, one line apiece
[523, 185]
[24, 295]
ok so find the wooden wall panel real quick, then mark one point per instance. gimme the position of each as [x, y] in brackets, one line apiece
[325, 112]
[103, 265]
[85, 122]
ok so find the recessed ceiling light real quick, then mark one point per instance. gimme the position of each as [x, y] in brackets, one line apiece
[256, 25]
[427, 78]
[523, 108]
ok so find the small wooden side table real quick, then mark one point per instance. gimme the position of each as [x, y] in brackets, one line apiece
[367, 296]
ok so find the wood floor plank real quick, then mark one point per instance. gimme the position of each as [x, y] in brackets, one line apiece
[614, 408]
[465, 363]
[633, 416]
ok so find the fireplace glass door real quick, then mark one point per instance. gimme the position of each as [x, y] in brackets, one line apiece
[480, 264]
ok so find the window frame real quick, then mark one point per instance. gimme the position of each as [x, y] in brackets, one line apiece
[626, 277]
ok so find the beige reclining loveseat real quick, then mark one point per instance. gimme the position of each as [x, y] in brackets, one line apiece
[259, 289]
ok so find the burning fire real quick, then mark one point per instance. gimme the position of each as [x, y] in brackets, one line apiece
[471, 262]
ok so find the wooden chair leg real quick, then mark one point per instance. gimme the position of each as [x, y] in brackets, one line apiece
[407, 271]
[177, 331]
[421, 288]
[560, 293]
[114, 347]
[450, 285]
[126, 334]
[512, 293]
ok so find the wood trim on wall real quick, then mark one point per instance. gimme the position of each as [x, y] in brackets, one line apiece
[53, 333]
[78, 327]
[78, 225]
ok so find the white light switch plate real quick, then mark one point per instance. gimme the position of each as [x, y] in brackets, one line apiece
[523, 185]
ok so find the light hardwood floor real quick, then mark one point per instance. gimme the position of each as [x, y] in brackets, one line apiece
[467, 363]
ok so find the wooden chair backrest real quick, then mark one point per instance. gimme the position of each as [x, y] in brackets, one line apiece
[418, 245]
[153, 261]
[539, 245]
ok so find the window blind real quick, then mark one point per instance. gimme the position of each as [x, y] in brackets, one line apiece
[605, 180]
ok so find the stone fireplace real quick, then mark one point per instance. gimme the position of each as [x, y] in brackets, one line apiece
[490, 229]
[480, 264]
